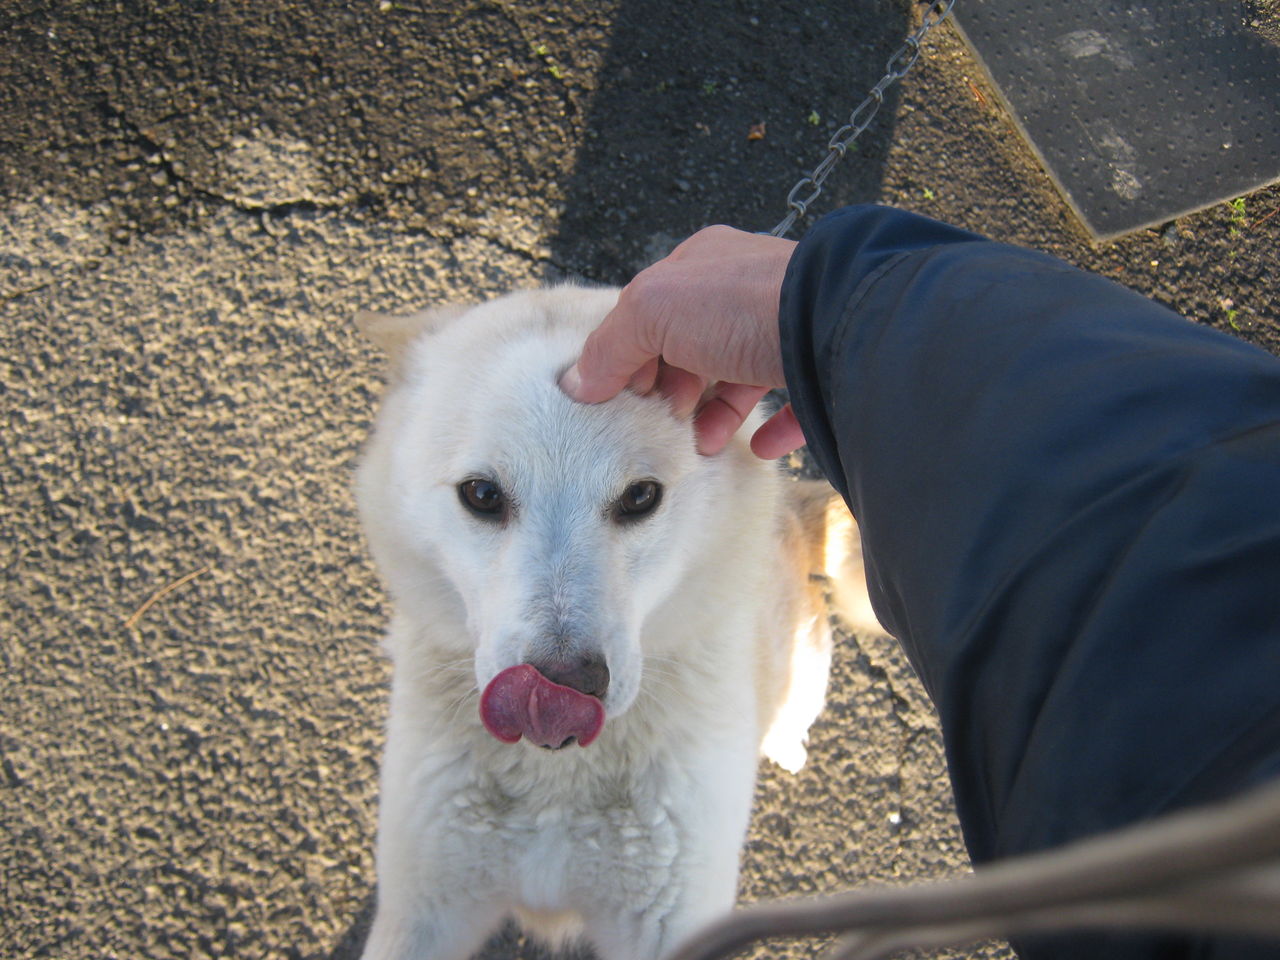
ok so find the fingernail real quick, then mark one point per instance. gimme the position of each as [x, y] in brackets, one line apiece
[571, 381]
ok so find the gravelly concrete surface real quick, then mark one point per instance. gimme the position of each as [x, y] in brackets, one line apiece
[193, 202]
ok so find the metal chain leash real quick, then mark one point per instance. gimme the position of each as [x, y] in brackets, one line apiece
[897, 67]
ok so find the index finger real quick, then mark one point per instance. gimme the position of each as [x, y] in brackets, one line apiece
[613, 353]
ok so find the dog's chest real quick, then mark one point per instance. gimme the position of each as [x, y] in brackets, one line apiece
[558, 849]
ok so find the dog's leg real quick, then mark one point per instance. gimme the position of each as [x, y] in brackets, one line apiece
[795, 640]
[652, 933]
[444, 930]
[708, 811]
[421, 914]
[806, 691]
[435, 899]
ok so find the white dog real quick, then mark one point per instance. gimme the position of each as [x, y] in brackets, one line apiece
[580, 579]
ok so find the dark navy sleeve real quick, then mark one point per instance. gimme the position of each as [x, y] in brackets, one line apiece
[1069, 499]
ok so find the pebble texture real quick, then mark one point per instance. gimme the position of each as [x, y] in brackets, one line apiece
[193, 204]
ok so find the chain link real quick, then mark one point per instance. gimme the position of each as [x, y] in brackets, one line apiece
[809, 187]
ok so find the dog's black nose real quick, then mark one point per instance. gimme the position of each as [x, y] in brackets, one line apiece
[587, 674]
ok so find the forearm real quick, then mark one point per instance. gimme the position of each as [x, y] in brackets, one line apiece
[1032, 454]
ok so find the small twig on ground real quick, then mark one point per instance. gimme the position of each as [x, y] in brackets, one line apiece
[18, 294]
[1261, 220]
[977, 94]
[163, 592]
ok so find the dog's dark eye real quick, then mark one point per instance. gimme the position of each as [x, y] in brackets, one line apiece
[639, 500]
[483, 498]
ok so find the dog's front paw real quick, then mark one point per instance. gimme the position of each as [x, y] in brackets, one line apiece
[784, 749]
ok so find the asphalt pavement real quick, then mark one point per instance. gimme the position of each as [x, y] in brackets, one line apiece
[194, 201]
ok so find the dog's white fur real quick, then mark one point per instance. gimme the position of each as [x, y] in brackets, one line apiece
[714, 635]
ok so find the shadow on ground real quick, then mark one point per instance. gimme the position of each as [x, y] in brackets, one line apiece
[709, 115]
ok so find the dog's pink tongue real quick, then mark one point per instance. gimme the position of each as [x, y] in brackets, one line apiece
[520, 701]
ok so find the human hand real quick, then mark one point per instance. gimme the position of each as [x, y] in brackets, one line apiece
[701, 328]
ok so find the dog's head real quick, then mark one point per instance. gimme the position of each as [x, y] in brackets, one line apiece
[544, 531]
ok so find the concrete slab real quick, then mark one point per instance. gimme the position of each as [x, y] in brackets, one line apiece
[1141, 113]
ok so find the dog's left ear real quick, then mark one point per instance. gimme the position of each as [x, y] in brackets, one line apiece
[394, 332]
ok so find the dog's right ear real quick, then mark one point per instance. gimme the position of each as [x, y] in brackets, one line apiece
[394, 332]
